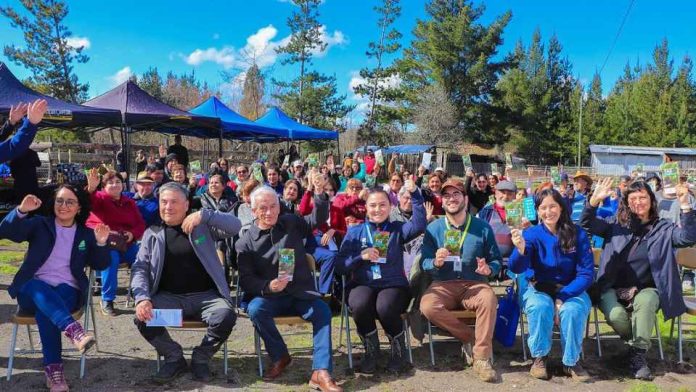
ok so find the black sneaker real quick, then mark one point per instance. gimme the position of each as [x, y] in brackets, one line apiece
[200, 371]
[639, 365]
[107, 308]
[170, 371]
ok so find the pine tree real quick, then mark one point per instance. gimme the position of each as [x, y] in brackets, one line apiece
[47, 53]
[380, 86]
[251, 105]
[152, 83]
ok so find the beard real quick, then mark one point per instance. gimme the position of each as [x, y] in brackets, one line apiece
[457, 210]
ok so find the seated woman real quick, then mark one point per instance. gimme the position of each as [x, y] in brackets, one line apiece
[346, 174]
[396, 182]
[352, 203]
[558, 254]
[377, 283]
[111, 207]
[638, 272]
[291, 195]
[51, 282]
[432, 194]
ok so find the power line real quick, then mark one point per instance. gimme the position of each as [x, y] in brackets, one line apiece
[616, 37]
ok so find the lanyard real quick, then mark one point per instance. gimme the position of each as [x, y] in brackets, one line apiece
[466, 230]
[369, 233]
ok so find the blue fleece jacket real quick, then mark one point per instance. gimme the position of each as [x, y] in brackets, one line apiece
[349, 259]
[574, 270]
[479, 242]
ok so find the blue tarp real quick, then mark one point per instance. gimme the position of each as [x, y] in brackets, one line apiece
[143, 112]
[402, 149]
[275, 118]
[60, 113]
[234, 125]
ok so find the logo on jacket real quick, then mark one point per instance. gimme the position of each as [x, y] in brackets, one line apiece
[82, 245]
[199, 240]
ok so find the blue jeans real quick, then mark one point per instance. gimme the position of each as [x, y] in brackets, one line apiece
[326, 260]
[51, 307]
[109, 276]
[261, 311]
[539, 308]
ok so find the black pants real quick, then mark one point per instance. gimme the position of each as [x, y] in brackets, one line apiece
[369, 304]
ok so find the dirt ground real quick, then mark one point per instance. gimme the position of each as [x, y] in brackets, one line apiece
[124, 362]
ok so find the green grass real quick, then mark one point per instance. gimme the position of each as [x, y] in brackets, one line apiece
[10, 261]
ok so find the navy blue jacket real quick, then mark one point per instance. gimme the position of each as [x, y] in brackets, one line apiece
[19, 143]
[40, 232]
[349, 259]
[664, 237]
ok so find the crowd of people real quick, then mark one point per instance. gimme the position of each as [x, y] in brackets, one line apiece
[189, 237]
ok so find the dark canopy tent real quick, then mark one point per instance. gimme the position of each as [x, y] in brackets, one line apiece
[60, 114]
[236, 126]
[275, 118]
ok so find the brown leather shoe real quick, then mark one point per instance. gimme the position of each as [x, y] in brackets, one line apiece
[277, 368]
[321, 381]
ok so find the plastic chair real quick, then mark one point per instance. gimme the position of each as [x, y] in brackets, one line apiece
[686, 257]
[22, 318]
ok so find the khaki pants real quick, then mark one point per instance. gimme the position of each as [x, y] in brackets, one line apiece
[635, 327]
[441, 297]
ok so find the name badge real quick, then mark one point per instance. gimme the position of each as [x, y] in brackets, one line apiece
[457, 266]
[376, 272]
[382, 260]
[453, 258]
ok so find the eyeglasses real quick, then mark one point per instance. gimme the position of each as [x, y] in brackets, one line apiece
[70, 203]
[114, 182]
[452, 195]
[355, 187]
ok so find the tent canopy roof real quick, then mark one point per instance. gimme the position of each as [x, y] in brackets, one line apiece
[235, 125]
[60, 114]
[275, 118]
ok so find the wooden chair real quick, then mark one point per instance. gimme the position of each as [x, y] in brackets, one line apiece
[468, 315]
[27, 319]
[686, 257]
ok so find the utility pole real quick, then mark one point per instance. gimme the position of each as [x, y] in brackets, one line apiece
[579, 161]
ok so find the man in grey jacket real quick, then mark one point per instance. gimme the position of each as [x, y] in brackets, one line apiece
[177, 268]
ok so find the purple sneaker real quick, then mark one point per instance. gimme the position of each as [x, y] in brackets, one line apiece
[77, 335]
[55, 378]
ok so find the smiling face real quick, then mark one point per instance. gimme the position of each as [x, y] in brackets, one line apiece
[144, 189]
[639, 203]
[504, 197]
[173, 207]
[405, 202]
[481, 183]
[549, 211]
[395, 183]
[291, 192]
[266, 210]
[273, 176]
[215, 186]
[354, 187]
[435, 184]
[179, 174]
[242, 173]
[113, 187]
[66, 206]
[377, 207]
[453, 200]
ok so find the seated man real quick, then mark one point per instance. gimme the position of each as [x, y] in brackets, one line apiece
[460, 268]
[177, 267]
[259, 250]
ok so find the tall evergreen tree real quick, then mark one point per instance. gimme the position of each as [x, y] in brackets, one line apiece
[251, 106]
[47, 53]
[380, 86]
[455, 50]
[151, 81]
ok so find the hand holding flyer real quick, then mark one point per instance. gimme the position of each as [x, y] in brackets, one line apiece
[286, 263]
[514, 211]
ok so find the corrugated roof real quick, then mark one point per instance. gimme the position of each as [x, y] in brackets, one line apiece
[604, 149]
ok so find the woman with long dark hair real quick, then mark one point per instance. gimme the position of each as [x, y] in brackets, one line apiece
[556, 256]
[638, 271]
[51, 282]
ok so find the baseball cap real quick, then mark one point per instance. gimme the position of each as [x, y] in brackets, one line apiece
[144, 177]
[506, 185]
[456, 184]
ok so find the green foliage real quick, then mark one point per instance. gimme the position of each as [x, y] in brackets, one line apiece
[46, 52]
[251, 106]
[455, 50]
[152, 83]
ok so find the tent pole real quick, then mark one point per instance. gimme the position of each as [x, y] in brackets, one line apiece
[220, 144]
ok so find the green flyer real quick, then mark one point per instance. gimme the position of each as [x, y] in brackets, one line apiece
[286, 263]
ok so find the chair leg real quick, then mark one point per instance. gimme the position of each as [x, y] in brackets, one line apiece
[681, 341]
[345, 318]
[31, 340]
[13, 344]
[257, 346]
[83, 360]
[408, 341]
[430, 342]
[596, 326]
[225, 356]
[523, 337]
[671, 330]
[158, 362]
[659, 339]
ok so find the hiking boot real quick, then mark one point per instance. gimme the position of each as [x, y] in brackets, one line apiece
[538, 369]
[170, 371]
[398, 358]
[639, 366]
[484, 370]
[577, 373]
[468, 354]
[200, 371]
[368, 363]
[55, 378]
[79, 338]
[107, 308]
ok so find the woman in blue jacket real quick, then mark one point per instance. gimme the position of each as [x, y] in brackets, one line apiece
[377, 282]
[638, 272]
[51, 281]
[559, 258]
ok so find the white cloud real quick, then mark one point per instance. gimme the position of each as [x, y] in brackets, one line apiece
[121, 76]
[77, 42]
[260, 46]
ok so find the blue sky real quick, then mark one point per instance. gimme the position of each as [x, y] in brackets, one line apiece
[210, 36]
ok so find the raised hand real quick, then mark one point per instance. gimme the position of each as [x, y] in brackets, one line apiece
[601, 191]
[363, 194]
[29, 203]
[429, 208]
[17, 112]
[162, 151]
[190, 222]
[101, 233]
[518, 240]
[36, 111]
[482, 267]
[92, 180]
[410, 185]
[683, 195]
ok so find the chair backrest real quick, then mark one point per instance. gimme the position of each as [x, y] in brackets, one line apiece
[597, 254]
[687, 257]
[312, 263]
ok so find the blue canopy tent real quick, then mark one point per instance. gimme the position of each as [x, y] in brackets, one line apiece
[402, 149]
[60, 114]
[275, 118]
[236, 126]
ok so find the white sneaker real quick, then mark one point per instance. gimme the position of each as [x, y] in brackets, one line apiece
[468, 354]
[687, 285]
